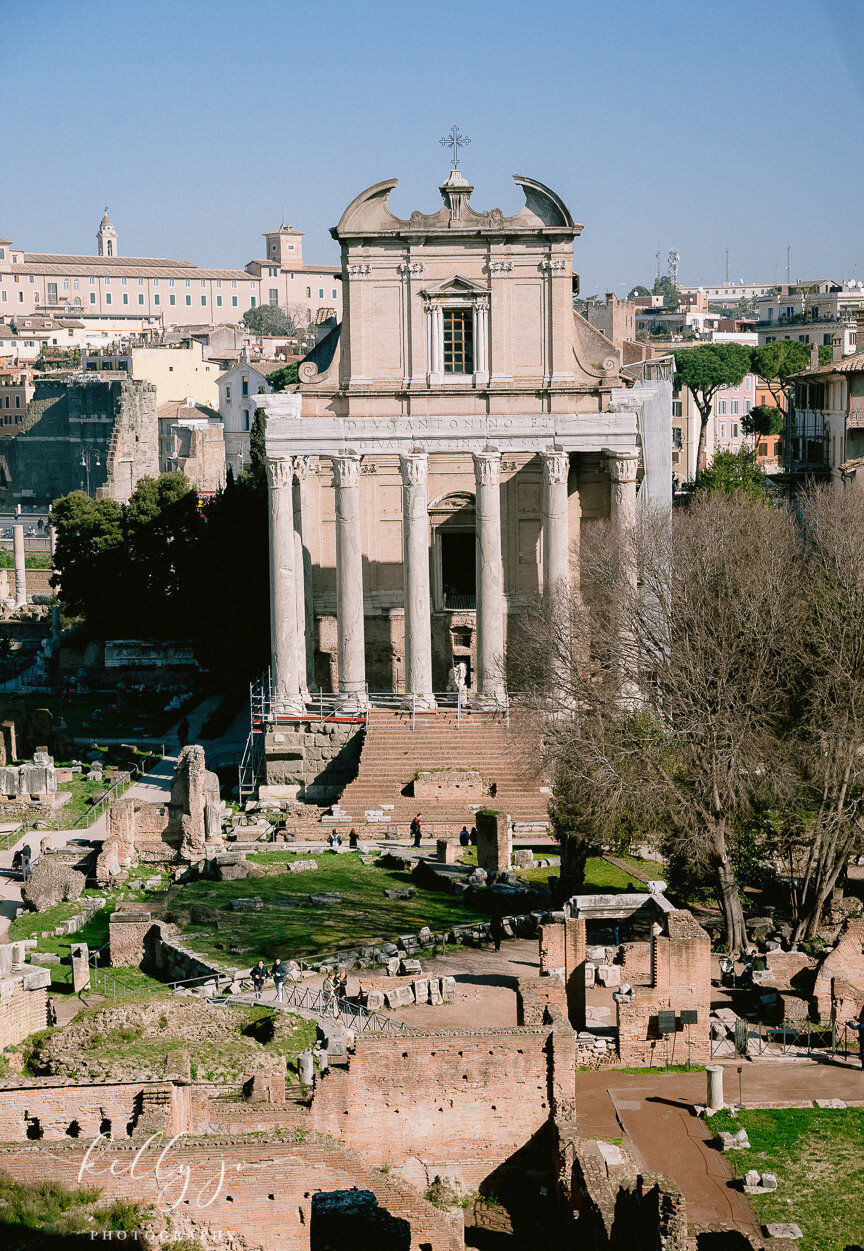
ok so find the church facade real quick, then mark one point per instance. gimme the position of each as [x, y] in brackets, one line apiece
[446, 445]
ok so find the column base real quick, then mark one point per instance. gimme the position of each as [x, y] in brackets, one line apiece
[288, 705]
[422, 702]
[354, 701]
[488, 701]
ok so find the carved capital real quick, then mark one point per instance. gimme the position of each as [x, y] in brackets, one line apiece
[481, 303]
[556, 467]
[346, 471]
[500, 267]
[415, 468]
[280, 471]
[487, 468]
[302, 468]
[358, 269]
[412, 269]
[551, 265]
[622, 466]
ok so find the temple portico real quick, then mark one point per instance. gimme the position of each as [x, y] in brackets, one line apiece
[290, 463]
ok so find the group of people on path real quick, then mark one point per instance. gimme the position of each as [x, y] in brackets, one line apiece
[335, 984]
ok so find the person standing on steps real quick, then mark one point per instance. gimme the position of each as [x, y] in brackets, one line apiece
[416, 830]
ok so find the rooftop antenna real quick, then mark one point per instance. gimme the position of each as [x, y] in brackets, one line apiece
[674, 258]
[788, 262]
[727, 267]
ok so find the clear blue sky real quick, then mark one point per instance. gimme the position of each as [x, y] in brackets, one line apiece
[202, 122]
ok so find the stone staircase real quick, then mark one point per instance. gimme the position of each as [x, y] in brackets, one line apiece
[393, 753]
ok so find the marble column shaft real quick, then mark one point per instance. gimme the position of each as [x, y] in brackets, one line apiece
[490, 579]
[20, 566]
[556, 533]
[303, 577]
[622, 472]
[351, 645]
[285, 647]
[415, 563]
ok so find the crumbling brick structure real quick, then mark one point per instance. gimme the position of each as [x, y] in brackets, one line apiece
[838, 990]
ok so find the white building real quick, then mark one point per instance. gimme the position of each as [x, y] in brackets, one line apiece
[811, 312]
[238, 387]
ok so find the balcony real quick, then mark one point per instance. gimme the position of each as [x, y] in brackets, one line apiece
[459, 603]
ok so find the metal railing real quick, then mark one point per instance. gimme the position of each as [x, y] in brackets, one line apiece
[123, 782]
[782, 1038]
[351, 1015]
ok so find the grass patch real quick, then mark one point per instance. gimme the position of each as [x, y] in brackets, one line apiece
[111, 1041]
[298, 928]
[57, 1212]
[818, 1156]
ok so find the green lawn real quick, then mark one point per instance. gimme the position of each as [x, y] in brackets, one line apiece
[818, 1156]
[364, 917]
[49, 1214]
[601, 877]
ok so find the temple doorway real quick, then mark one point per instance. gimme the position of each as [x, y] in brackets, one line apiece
[458, 569]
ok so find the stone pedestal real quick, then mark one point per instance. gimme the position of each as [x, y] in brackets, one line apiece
[493, 841]
[349, 581]
[80, 967]
[415, 561]
[490, 582]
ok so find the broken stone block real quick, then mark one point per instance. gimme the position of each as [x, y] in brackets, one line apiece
[434, 990]
[326, 898]
[411, 968]
[768, 1181]
[609, 975]
[784, 1230]
[393, 966]
[448, 987]
[421, 990]
[751, 1178]
[406, 995]
[393, 998]
[247, 905]
[590, 973]
[375, 1000]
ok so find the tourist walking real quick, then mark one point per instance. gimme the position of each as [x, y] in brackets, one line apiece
[416, 830]
[328, 990]
[259, 977]
[497, 930]
[51, 1011]
[858, 1026]
[279, 973]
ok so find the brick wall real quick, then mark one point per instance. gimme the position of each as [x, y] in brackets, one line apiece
[265, 1193]
[458, 1103]
[130, 1107]
[22, 1006]
[126, 933]
[533, 994]
[838, 988]
[681, 966]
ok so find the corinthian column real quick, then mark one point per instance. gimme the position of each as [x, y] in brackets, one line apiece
[284, 639]
[303, 576]
[351, 644]
[415, 563]
[490, 581]
[556, 537]
[622, 472]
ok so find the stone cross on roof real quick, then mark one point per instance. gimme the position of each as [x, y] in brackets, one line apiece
[454, 141]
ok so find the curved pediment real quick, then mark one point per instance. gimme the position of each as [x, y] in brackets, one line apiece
[543, 205]
[369, 211]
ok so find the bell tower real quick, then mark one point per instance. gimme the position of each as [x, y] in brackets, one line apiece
[106, 237]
